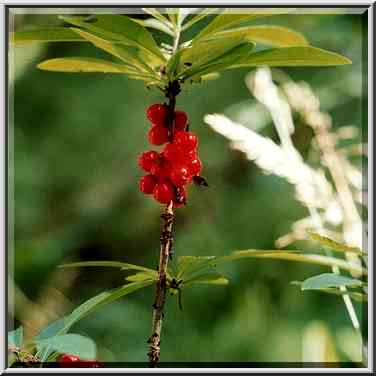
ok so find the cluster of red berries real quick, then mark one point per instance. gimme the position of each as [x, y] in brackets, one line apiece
[72, 361]
[172, 169]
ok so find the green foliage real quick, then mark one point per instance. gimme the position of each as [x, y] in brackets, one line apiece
[224, 43]
[333, 245]
[15, 338]
[328, 280]
[74, 344]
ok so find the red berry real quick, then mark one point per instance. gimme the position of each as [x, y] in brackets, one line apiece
[164, 192]
[161, 169]
[180, 175]
[65, 359]
[181, 120]
[147, 159]
[186, 140]
[147, 184]
[172, 153]
[157, 113]
[158, 135]
[195, 166]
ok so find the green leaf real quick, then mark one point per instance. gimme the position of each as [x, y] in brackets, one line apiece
[172, 65]
[131, 56]
[119, 28]
[140, 277]
[333, 245]
[52, 329]
[101, 300]
[225, 61]
[159, 16]
[293, 56]
[15, 338]
[74, 344]
[273, 35]
[191, 264]
[52, 34]
[233, 18]
[112, 264]
[82, 65]
[328, 280]
[208, 51]
[153, 23]
[307, 258]
[207, 278]
[198, 17]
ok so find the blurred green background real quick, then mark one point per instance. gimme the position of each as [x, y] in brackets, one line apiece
[76, 140]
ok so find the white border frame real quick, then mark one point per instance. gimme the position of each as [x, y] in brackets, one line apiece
[3, 233]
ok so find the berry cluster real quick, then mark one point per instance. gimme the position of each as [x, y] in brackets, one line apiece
[70, 361]
[171, 170]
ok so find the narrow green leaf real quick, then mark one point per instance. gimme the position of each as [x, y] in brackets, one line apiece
[225, 61]
[52, 34]
[334, 245]
[207, 278]
[233, 18]
[118, 28]
[198, 17]
[307, 258]
[328, 280]
[74, 344]
[140, 277]
[208, 51]
[273, 35]
[172, 14]
[113, 264]
[293, 56]
[159, 16]
[172, 65]
[153, 23]
[100, 300]
[191, 263]
[131, 56]
[51, 330]
[15, 338]
[82, 65]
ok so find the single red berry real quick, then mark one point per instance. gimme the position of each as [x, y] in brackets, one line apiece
[157, 113]
[194, 166]
[186, 140]
[164, 192]
[147, 159]
[66, 359]
[172, 153]
[180, 197]
[180, 175]
[181, 120]
[147, 184]
[161, 169]
[158, 135]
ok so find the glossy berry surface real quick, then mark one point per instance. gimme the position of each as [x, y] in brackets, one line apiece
[180, 175]
[157, 114]
[158, 135]
[67, 358]
[164, 192]
[172, 169]
[147, 159]
[185, 140]
[181, 120]
[147, 184]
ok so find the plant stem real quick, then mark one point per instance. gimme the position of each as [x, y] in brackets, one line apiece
[161, 285]
[171, 91]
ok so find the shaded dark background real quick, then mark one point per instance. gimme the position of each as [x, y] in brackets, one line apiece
[76, 140]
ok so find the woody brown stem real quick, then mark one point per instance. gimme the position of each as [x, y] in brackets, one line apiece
[172, 90]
